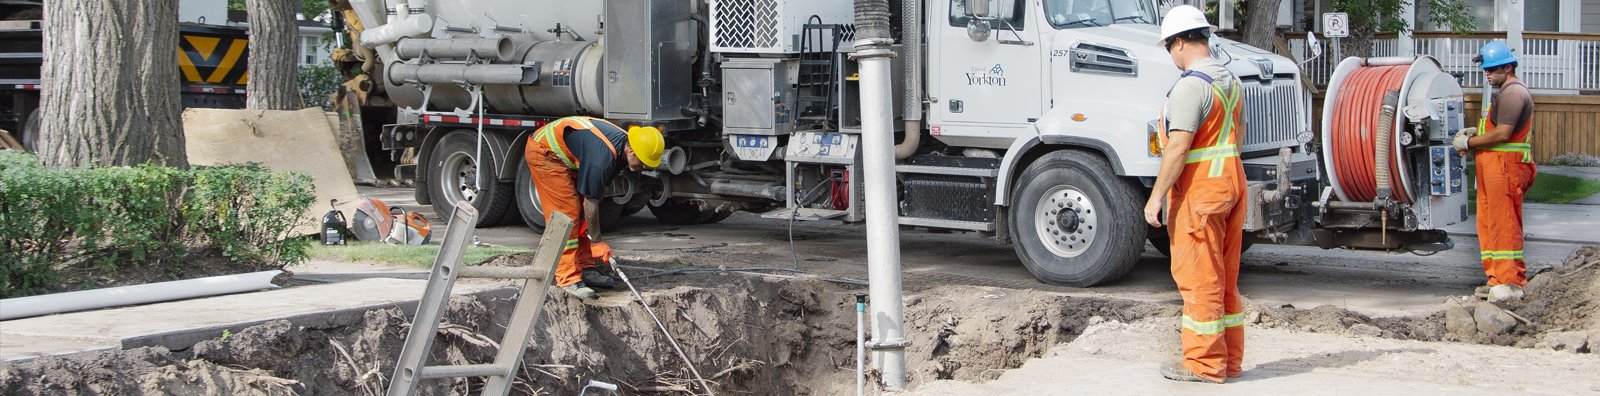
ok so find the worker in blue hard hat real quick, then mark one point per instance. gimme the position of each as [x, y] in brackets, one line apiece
[1501, 148]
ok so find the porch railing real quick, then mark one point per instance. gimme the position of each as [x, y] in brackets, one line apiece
[1549, 61]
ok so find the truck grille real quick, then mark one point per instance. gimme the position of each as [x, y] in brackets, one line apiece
[745, 24]
[1270, 115]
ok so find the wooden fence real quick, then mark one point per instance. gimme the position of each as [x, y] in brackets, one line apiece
[1561, 123]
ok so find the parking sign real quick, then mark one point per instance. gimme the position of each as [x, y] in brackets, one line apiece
[1336, 24]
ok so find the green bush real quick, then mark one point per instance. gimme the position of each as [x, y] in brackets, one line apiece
[55, 221]
[317, 83]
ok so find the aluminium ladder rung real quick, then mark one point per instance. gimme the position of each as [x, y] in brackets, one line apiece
[412, 367]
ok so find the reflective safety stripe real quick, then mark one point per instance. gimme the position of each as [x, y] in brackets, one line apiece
[1524, 148]
[1233, 320]
[548, 135]
[1224, 147]
[1501, 254]
[571, 244]
[1203, 328]
[1213, 152]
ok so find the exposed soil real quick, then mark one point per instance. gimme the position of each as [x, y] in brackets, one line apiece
[745, 333]
[1564, 298]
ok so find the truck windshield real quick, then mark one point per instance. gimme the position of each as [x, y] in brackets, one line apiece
[1068, 14]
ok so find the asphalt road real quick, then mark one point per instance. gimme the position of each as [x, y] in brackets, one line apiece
[1376, 284]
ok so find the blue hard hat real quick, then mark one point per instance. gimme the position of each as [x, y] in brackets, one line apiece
[1495, 53]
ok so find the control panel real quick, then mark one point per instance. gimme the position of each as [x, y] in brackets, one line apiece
[752, 147]
[818, 147]
[1446, 171]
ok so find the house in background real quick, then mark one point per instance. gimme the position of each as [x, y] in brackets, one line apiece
[313, 50]
[1555, 39]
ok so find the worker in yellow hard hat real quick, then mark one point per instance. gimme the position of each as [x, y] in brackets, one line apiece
[572, 160]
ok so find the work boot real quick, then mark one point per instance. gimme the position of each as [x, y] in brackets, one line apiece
[1505, 293]
[1176, 372]
[593, 277]
[1481, 291]
[580, 291]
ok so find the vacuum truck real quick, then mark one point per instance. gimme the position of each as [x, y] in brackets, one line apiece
[1032, 123]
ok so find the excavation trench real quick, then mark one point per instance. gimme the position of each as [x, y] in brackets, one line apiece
[745, 333]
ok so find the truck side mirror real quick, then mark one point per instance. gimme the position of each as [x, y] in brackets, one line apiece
[1314, 45]
[977, 8]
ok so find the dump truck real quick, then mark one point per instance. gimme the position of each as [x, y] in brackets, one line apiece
[1032, 123]
[212, 63]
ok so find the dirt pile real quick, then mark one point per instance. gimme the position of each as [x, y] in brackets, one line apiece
[1560, 310]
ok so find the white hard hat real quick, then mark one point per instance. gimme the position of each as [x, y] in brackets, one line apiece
[1182, 19]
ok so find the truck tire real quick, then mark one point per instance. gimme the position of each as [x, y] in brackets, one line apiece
[452, 176]
[1074, 222]
[681, 212]
[532, 213]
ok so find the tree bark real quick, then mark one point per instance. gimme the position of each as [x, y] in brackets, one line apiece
[110, 84]
[1260, 26]
[273, 51]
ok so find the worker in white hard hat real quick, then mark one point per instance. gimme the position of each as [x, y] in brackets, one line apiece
[1202, 184]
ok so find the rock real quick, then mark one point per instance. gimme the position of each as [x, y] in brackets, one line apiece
[1571, 341]
[1492, 320]
[1458, 321]
[1254, 317]
[1364, 329]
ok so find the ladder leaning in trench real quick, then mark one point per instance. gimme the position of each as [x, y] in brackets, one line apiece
[447, 266]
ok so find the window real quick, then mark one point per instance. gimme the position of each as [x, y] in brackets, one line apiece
[1010, 10]
[1068, 14]
[308, 50]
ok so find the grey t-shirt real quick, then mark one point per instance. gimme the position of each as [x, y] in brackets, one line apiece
[1513, 105]
[1190, 99]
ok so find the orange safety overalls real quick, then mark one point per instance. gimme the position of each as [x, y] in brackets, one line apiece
[1205, 220]
[1504, 172]
[554, 170]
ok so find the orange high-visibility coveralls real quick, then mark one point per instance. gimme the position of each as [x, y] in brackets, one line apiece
[554, 167]
[1504, 172]
[1206, 215]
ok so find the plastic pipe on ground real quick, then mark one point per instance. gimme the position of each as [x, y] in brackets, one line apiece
[22, 307]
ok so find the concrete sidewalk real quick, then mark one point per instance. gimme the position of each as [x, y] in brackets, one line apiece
[180, 324]
[1548, 223]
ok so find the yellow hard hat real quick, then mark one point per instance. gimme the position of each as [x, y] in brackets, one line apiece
[647, 144]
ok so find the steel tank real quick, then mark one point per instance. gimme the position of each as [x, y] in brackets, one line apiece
[569, 81]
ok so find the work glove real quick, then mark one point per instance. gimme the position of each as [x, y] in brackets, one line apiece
[601, 252]
[1460, 142]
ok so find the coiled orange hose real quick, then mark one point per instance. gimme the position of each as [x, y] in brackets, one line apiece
[1354, 131]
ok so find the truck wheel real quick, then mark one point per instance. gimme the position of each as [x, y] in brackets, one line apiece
[680, 212]
[532, 213]
[453, 177]
[1074, 222]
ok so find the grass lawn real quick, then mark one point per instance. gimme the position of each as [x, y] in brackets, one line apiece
[1547, 188]
[412, 255]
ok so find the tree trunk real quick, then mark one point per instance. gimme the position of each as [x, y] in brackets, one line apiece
[1359, 44]
[273, 52]
[110, 89]
[1260, 27]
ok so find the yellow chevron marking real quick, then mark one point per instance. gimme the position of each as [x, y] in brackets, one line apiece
[228, 61]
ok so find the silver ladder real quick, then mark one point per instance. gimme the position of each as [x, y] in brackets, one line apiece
[447, 266]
